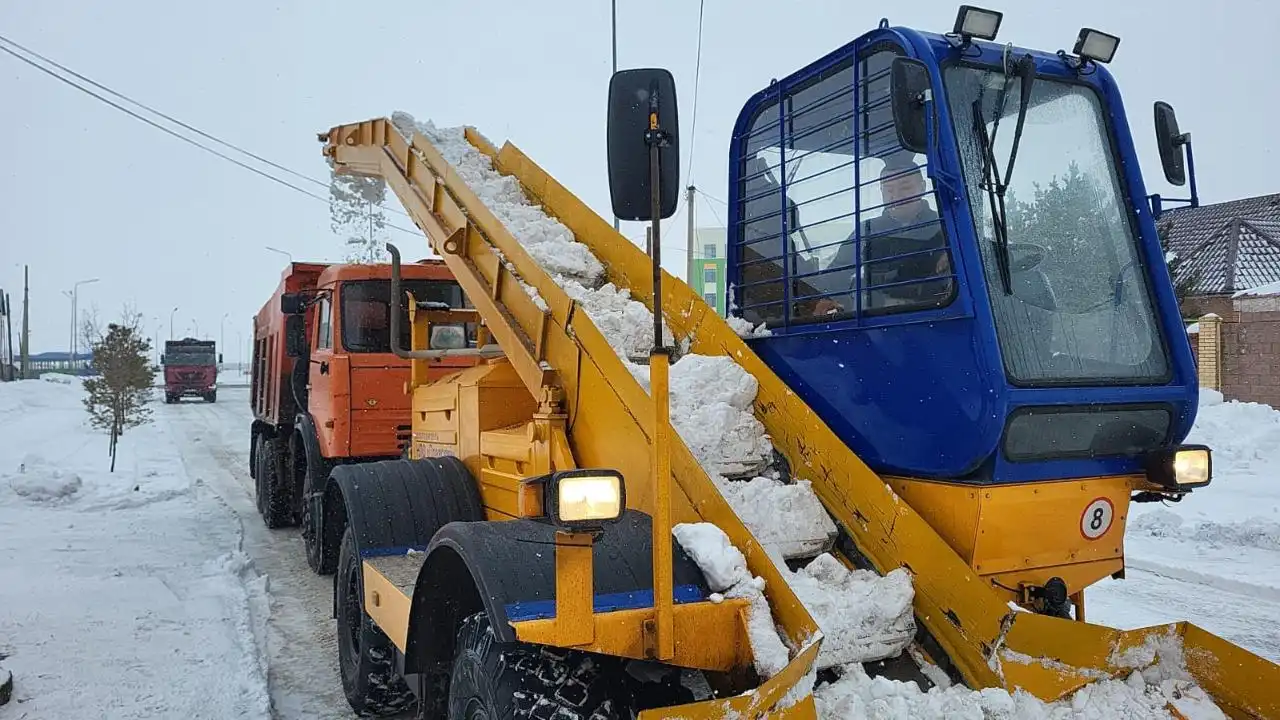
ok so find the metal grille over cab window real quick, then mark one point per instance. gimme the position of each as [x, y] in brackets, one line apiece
[830, 228]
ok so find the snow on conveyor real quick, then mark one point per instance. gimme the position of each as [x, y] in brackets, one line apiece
[862, 616]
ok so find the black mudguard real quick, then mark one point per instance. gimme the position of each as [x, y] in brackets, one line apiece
[393, 506]
[507, 569]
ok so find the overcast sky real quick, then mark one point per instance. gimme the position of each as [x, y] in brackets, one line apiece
[86, 191]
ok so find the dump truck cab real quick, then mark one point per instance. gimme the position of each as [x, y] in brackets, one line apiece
[951, 245]
[190, 369]
[355, 383]
[327, 389]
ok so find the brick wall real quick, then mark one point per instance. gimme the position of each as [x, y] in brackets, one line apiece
[1251, 357]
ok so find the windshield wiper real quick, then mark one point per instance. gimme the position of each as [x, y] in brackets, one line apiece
[996, 186]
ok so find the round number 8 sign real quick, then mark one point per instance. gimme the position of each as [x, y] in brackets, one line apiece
[1097, 517]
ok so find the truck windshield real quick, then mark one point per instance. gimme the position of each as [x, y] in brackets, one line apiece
[1077, 308]
[366, 312]
[190, 357]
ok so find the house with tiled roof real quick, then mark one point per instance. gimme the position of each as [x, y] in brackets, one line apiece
[1231, 254]
[1226, 247]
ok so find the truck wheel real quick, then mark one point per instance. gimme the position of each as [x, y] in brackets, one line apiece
[275, 501]
[366, 657]
[212, 396]
[492, 679]
[320, 561]
[259, 475]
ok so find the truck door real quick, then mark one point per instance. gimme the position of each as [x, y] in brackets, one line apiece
[328, 385]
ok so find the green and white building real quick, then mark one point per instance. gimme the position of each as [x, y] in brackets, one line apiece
[706, 267]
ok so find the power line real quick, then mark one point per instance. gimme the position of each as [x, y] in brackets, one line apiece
[178, 135]
[713, 209]
[697, 71]
[153, 111]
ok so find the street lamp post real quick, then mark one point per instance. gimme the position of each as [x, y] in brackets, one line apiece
[222, 334]
[282, 252]
[175, 310]
[75, 308]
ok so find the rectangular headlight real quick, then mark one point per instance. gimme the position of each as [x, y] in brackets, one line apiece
[975, 22]
[1096, 45]
[1180, 468]
[584, 498]
[1191, 466]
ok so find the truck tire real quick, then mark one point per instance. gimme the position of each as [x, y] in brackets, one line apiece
[321, 560]
[366, 657]
[211, 396]
[259, 492]
[274, 500]
[492, 679]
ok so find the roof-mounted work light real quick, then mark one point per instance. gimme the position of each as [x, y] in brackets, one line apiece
[975, 22]
[1095, 45]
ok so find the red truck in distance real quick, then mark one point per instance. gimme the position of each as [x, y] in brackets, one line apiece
[190, 370]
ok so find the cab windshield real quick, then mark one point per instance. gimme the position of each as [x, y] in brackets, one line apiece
[366, 315]
[1068, 291]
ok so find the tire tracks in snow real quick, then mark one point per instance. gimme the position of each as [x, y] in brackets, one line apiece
[300, 645]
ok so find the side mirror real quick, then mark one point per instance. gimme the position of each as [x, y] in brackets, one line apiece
[295, 336]
[635, 95]
[161, 359]
[1169, 140]
[908, 82]
[219, 358]
[291, 304]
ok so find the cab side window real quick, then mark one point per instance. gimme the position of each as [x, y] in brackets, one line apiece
[324, 324]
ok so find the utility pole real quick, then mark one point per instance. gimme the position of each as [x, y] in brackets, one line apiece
[8, 323]
[688, 243]
[26, 326]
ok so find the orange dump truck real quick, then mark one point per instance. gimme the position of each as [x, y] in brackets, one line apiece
[327, 389]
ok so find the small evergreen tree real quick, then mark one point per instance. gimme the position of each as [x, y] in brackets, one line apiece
[118, 396]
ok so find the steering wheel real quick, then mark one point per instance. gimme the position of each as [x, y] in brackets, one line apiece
[1026, 256]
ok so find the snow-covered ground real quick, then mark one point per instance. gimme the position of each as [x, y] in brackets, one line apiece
[156, 591]
[122, 595]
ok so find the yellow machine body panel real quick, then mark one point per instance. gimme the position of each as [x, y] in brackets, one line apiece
[1020, 535]
[558, 354]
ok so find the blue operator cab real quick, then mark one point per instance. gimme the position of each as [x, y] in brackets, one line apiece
[956, 259]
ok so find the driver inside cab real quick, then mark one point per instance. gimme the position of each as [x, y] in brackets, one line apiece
[904, 258]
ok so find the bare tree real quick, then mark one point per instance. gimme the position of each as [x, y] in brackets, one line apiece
[90, 327]
[118, 395]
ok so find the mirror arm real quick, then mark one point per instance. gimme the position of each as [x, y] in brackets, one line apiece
[932, 152]
[1191, 169]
